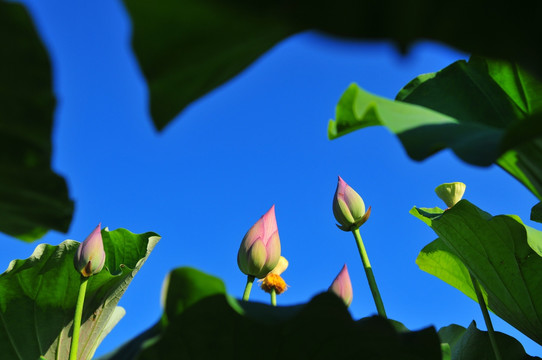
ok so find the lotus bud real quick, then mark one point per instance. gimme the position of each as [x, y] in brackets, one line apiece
[348, 207]
[342, 286]
[260, 249]
[273, 280]
[451, 193]
[90, 257]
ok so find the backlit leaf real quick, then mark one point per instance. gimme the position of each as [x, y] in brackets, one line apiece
[38, 296]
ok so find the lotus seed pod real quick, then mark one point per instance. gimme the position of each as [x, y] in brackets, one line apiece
[451, 193]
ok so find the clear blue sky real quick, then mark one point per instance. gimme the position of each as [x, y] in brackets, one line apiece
[259, 140]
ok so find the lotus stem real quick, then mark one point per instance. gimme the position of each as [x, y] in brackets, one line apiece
[370, 276]
[248, 287]
[273, 297]
[77, 318]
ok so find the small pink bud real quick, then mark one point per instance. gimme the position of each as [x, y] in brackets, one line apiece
[260, 249]
[90, 257]
[342, 286]
[348, 207]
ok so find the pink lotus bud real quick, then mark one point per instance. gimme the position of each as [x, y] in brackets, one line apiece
[90, 257]
[342, 286]
[348, 207]
[260, 249]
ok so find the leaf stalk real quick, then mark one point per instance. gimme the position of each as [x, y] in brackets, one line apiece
[487, 318]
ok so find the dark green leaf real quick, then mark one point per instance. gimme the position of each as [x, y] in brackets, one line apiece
[33, 199]
[186, 287]
[485, 111]
[203, 322]
[474, 344]
[497, 95]
[38, 295]
[422, 131]
[187, 48]
[501, 252]
[133, 347]
[536, 213]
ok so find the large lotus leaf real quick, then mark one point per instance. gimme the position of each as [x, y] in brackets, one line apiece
[358, 109]
[33, 199]
[38, 296]
[501, 252]
[474, 344]
[486, 111]
[438, 260]
[496, 94]
[201, 321]
[186, 48]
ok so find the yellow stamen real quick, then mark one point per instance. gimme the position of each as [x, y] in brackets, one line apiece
[273, 281]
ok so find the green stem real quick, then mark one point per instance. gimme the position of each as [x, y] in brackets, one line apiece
[370, 276]
[77, 318]
[487, 319]
[248, 287]
[273, 297]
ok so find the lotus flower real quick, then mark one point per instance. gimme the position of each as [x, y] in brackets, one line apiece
[348, 207]
[342, 286]
[260, 249]
[282, 265]
[90, 257]
[451, 193]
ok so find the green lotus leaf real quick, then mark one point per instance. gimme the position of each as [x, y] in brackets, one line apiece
[474, 344]
[186, 48]
[485, 111]
[38, 297]
[501, 252]
[33, 199]
[201, 321]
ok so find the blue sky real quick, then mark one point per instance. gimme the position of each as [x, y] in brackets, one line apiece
[259, 140]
